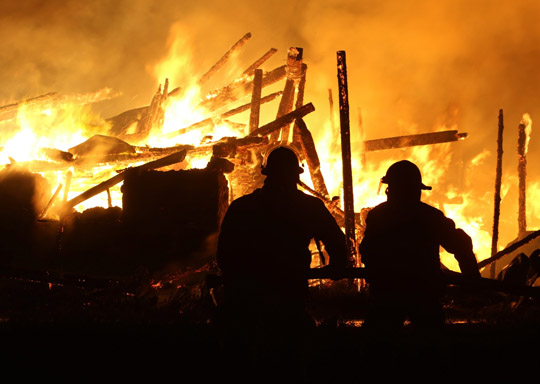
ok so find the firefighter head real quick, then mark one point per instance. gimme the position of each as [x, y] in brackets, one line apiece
[404, 181]
[282, 164]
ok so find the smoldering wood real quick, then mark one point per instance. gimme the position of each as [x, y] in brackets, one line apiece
[522, 180]
[283, 120]
[255, 106]
[346, 155]
[210, 121]
[299, 102]
[246, 156]
[240, 88]
[251, 69]
[285, 107]
[163, 162]
[312, 158]
[225, 58]
[497, 198]
[121, 123]
[154, 115]
[294, 73]
[413, 140]
[229, 146]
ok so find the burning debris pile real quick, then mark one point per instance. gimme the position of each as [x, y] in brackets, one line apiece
[161, 205]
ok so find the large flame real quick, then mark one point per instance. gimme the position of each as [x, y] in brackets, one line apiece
[64, 125]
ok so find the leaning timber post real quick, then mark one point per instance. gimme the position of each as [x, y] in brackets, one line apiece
[497, 200]
[225, 58]
[522, 174]
[346, 157]
[293, 71]
[312, 158]
[255, 100]
[251, 69]
[296, 137]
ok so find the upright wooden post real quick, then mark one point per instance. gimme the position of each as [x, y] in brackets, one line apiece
[522, 173]
[255, 101]
[294, 73]
[497, 202]
[348, 196]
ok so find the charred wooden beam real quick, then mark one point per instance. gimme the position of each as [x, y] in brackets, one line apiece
[299, 102]
[497, 198]
[511, 248]
[294, 73]
[251, 69]
[413, 140]
[346, 156]
[522, 178]
[154, 116]
[283, 120]
[255, 101]
[225, 58]
[209, 121]
[312, 158]
[163, 162]
[239, 89]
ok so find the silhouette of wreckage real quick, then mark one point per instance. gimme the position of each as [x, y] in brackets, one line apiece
[170, 216]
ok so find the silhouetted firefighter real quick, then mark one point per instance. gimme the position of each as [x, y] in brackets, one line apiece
[400, 250]
[263, 253]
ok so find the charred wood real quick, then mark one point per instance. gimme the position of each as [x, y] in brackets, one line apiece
[232, 112]
[299, 102]
[283, 120]
[255, 101]
[522, 179]
[225, 58]
[154, 116]
[312, 158]
[163, 162]
[497, 197]
[346, 156]
[240, 88]
[294, 73]
[413, 140]
[251, 69]
[511, 248]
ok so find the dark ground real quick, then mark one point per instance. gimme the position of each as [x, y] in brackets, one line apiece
[89, 331]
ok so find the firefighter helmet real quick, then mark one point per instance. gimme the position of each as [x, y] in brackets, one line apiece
[281, 160]
[404, 173]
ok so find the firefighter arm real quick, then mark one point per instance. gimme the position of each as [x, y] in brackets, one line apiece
[460, 245]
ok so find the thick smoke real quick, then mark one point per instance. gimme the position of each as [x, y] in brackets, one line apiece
[414, 66]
